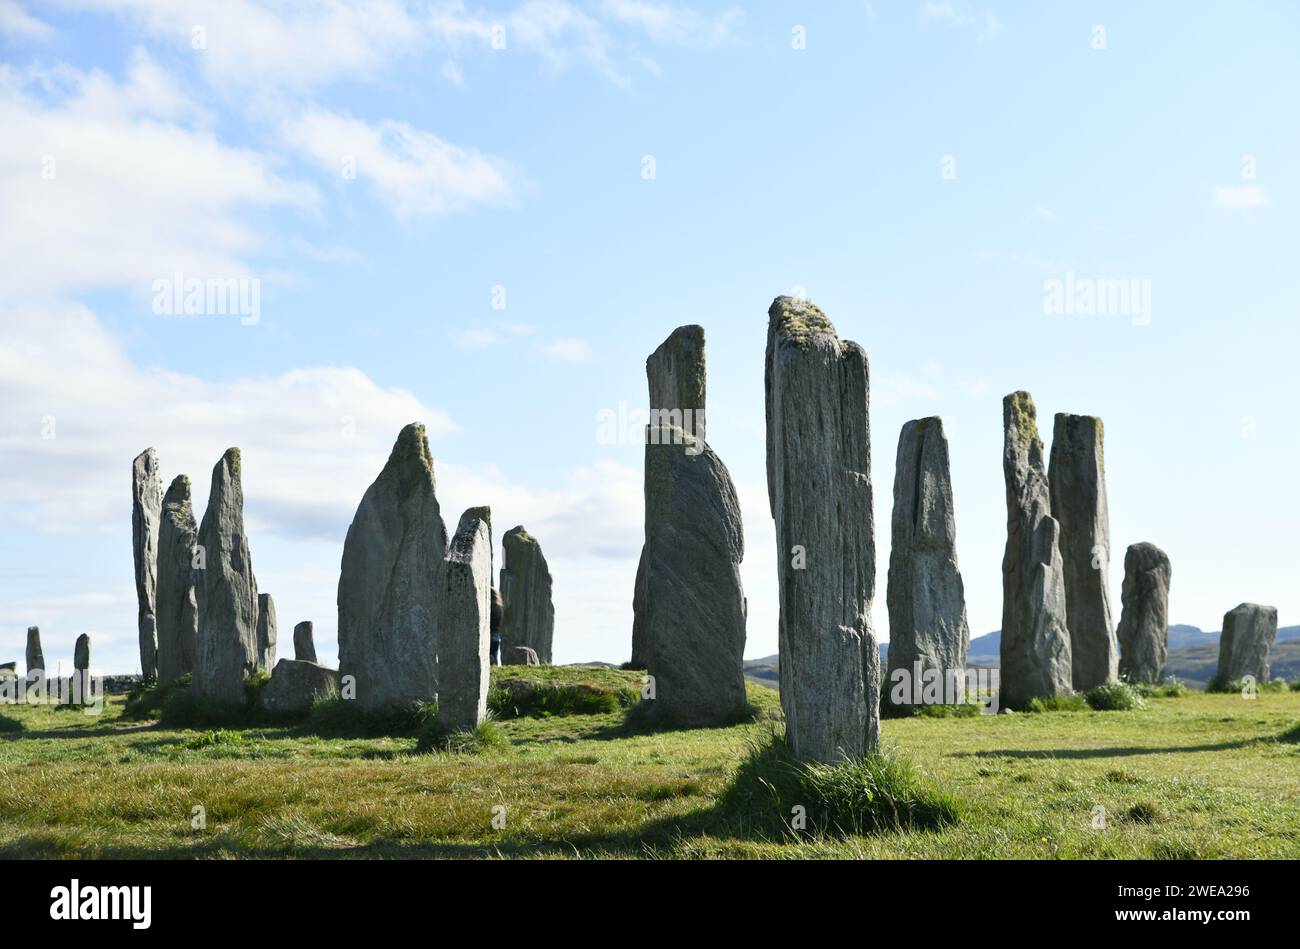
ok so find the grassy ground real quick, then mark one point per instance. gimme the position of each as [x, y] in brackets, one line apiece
[1199, 776]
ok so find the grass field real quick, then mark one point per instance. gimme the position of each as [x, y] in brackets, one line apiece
[1201, 776]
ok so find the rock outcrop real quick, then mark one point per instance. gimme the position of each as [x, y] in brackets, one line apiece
[927, 601]
[226, 650]
[295, 685]
[819, 487]
[177, 597]
[388, 585]
[304, 642]
[1035, 661]
[1244, 644]
[265, 632]
[464, 630]
[146, 514]
[1077, 476]
[529, 616]
[1144, 619]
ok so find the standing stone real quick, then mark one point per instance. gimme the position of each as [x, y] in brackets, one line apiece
[1077, 476]
[927, 601]
[295, 686]
[265, 632]
[529, 616]
[146, 513]
[35, 655]
[1035, 659]
[226, 650]
[819, 487]
[177, 602]
[678, 388]
[388, 586]
[1244, 644]
[81, 653]
[464, 630]
[524, 656]
[79, 686]
[304, 643]
[1144, 620]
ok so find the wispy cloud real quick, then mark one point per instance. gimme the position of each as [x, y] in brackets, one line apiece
[676, 25]
[960, 14]
[17, 22]
[567, 350]
[1237, 197]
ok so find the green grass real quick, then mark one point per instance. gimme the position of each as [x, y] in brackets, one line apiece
[1114, 697]
[1202, 776]
[1058, 703]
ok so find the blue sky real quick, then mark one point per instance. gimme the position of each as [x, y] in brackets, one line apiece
[919, 169]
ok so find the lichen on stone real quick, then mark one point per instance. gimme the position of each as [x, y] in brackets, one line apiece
[799, 320]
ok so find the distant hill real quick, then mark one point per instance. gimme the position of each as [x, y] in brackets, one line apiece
[1193, 655]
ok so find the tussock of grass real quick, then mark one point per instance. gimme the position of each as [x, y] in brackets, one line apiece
[146, 700]
[434, 737]
[1143, 812]
[1219, 685]
[1171, 689]
[525, 698]
[1058, 703]
[1114, 697]
[881, 793]
[336, 717]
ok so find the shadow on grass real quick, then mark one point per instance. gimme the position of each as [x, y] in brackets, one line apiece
[1087, 753]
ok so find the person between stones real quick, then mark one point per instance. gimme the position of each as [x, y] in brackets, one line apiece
[498, 608]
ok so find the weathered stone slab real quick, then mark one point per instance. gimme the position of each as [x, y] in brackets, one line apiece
[35, 655]
[177, 596]
[1144, 620]
[1248, 635]
[388, 586]
[1036, 660]
[1077, 476]
[266, 633]
[146, 515]
[226, 650]
[523, 656]
[819, 486]
[529, 617]
[926, 597]
[464, 643]
[295, 685]
[304, 642]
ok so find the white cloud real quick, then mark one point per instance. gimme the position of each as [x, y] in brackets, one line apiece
[312, 438]
[18, 23]
[567, 350]
[890, 389]
[1240, 197]
[478, 338]
[676, 25]
[959, 14]
[117, 183]
[414, 173]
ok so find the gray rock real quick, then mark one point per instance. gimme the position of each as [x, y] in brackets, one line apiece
[529, 616]
[146, 513]
[388, 585]
[265, 632]
[927, 601]
[819, 486]
[226, 650]
[1077, 476]
[304, 642]
[295, 685]
[1036, 661]
[695, 607]
[1247, 637]
[464, 630]
[177, 600]
[524, 656]
[1144, 620]
[81, 653]
[675, 373]
[35, 655]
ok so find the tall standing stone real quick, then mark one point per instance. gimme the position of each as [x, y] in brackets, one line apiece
[676, 376]
[1248, 635]
[81, 653]
[265, 632]
[79, 687]
[1144, 620]
[464, 630]
[529, 615]
[388, 586]
[1077, 476]
[146, 513]
[35, 655]
[226, 650]
[304, 642]
[927, 601]
[1035, 660]
[819, 487]
[177, 601]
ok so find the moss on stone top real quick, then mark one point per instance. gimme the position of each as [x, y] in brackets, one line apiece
[519, 535]
[1024, 417]
[799, 320]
